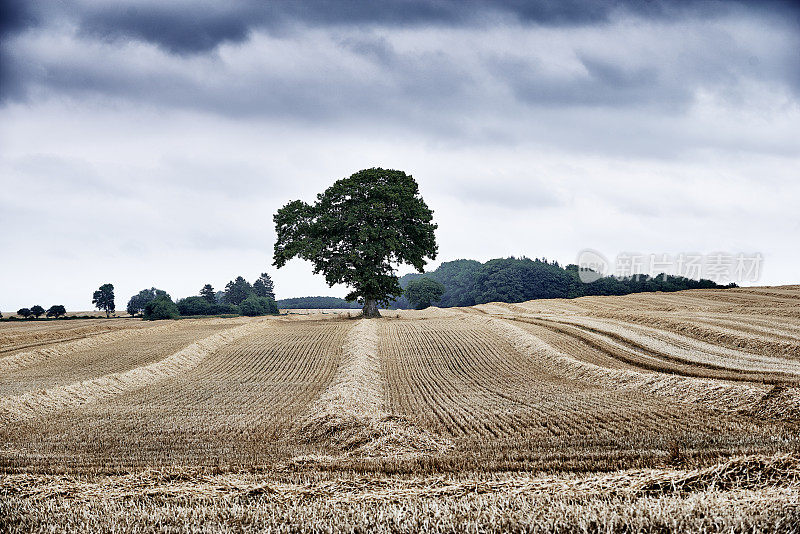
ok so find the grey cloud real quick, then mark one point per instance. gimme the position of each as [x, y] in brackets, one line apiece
[199, 26]
[63, 176]
[605, 83]
[500, 193]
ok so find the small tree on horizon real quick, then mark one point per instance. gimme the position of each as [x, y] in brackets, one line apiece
[358, 231]
[24, 312]
[264, 287]
[103, 298]
[56, 311]
[207, 292]
[37, 311]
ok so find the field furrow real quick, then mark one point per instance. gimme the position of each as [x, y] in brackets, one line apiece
[238, 403]
[32, 404]
[17, 336]
[711, 393]
[459, 377]
[591, 383]
[88, 358]
[687, 350]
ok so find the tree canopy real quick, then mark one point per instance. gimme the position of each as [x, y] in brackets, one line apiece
[195, 306]
[161, 307]
[468, 282]
[264, 287]
[424, 292]
[137, 302]
[37, 311]
[103, 298]
[316, 303]
[254, 306]
[56, 311]
[24, 312]
[207, 292]
[237, 291]
[359, 229]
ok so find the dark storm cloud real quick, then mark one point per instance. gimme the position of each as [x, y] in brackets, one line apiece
[387, 63]
[603, 84]
[15, 16]
[185, 27]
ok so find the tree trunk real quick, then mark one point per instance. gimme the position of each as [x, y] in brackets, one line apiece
[370, 309]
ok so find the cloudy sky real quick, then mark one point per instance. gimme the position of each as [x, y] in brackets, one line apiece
[148, 143]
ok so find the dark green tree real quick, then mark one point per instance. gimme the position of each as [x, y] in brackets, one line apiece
[24, 312]
[208, 293]
[424, 292]
[37, 311]
[195, 306]
[253, 306]
[359, 229]
[264, 287]
[56, 311]
[161, 307]
[316, 303]
[103, 299]
[237, 291]
[137, 302]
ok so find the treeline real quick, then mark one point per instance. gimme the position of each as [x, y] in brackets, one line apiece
[56, 311]
[470, 282]
[240, 297]
[317, 303]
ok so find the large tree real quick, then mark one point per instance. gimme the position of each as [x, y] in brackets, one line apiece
[359, 229]
[37, 311]
[237, 291]
[103, 299]
[56, 311]
[264, 286]
[137, 303]
[208, 293]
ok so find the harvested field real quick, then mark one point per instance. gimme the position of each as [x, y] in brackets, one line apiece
[21, 336]
[647, 410]
[749, 494]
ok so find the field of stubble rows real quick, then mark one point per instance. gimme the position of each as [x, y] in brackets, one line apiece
[643, 412]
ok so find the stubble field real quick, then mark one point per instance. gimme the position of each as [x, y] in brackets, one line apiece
[658, 412]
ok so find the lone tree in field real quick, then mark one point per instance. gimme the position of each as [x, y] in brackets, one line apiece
[424, 292]
[357, 231]
[264, 286]
[37, 311]
[103, 298]
[208, 293]
[56, 311]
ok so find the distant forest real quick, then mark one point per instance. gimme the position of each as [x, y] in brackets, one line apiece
[301, 303]
[470, 282]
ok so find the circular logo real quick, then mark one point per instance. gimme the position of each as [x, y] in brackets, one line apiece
[591, 265]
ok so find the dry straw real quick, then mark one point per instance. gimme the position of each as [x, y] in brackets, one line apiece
[37, 403]
[352, 415]
[708, 392]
